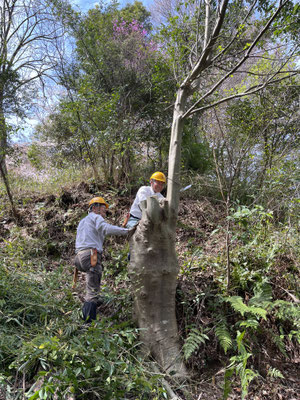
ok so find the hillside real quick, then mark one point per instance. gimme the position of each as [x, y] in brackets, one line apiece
[39, 252]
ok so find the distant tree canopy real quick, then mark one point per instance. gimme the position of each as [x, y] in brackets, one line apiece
[30, 38]
[120, 80]
[29, 41]
[114, 87]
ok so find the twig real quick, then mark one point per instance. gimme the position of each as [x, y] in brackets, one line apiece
[166, 385]
[294, 298]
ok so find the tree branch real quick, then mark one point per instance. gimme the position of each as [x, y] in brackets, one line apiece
[235, 68]
[201, 63]
[249, 91]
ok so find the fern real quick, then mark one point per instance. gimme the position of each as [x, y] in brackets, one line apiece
[262, 295]
[238, 366]
[275, 373]
[239, 306]
[286, 311]
[249, 323]
[227, 388]
[223, 336]
[294, 334]
[246, 376]
[278, 340]
[193, 342]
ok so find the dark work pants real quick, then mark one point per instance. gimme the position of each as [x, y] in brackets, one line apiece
[92, 274]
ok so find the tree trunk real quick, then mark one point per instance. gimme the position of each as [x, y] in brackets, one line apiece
[3, 137]
[3, 168]
[153, 271]
[175, 151]
[153, 261]
[4, 177]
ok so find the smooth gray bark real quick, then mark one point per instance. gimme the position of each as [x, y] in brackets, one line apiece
[175, 153]
[153, 271]
[3, 138]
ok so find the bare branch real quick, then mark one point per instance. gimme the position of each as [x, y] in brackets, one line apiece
[248, 92]
[236, 67]
[201, 64]
[235, 36]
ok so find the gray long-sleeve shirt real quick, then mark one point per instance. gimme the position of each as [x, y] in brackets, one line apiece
[92, 230]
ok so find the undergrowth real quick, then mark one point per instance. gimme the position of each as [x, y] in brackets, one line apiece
[46, 350]
[259, 314]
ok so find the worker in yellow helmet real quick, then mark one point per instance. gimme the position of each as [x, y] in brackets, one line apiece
[157, 183]
[91, 233]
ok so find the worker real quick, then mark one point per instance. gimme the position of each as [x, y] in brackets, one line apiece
[157, 183]
[91, 233]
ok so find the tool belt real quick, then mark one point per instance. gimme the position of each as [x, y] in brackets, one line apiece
[94, 259]
[94, 255]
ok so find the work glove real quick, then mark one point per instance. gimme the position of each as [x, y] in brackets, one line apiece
[131, 232]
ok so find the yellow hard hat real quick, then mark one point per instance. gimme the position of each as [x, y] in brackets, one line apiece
[159, 176]
[98, 200]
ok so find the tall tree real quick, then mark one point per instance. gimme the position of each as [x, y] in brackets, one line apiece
[28, 38]
[114, 89]
[216, 42]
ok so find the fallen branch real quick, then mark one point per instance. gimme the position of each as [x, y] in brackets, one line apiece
[166, 385]
[294, 298]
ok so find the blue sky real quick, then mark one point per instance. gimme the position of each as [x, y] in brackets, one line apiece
[84, 5]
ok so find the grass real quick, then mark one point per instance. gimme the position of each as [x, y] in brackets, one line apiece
[48, 183]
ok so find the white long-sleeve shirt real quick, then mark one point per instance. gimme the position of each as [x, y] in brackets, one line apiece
[92, 230]
[142, 194]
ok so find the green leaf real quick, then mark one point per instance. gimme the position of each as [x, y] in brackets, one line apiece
[223, 336]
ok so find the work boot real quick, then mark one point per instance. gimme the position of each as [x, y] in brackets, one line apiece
[89, 311]
[99, 301]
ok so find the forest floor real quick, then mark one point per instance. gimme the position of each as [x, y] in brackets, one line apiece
[198, 224]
